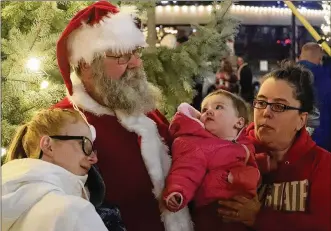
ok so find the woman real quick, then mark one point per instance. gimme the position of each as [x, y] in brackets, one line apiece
[43, 181]
[226, 78]
[296, 193]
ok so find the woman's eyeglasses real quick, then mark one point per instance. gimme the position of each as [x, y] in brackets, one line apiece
[276, 107]
[124, 59]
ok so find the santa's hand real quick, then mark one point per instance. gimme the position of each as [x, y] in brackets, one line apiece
[174, 201]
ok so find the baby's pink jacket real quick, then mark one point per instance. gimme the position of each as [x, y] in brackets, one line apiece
[202, 163]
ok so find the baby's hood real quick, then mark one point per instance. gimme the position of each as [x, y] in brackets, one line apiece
[186, 123]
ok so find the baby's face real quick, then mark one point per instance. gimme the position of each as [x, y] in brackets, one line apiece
[219, 116]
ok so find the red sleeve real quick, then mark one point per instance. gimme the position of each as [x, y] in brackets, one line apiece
[187, 170]
[317, 217]
[263, 162]
[162, 125]
[245, 178]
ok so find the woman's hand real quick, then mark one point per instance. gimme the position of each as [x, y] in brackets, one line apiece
[240, 209]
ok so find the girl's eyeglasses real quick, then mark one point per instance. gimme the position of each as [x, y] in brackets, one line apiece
[87, 145]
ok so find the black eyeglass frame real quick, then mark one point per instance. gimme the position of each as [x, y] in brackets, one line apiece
[82, 138]
[136, 51]
[285, 107]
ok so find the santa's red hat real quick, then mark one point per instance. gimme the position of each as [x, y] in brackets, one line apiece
[96, 29]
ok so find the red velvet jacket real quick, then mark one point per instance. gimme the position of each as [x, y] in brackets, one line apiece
[298, 192]
[202, 162]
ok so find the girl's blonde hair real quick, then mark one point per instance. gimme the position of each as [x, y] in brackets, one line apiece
[46, 122]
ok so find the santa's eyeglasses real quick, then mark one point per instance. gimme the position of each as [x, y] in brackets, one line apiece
[125, 58]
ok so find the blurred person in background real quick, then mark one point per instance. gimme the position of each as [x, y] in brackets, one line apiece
[311, 58]
[245, 80]
[226, 79]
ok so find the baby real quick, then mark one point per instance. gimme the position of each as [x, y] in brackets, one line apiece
[212, 159]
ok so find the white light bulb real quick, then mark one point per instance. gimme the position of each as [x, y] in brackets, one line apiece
[159, 9]
[3, 151]
[164, 2]
[201, 8]
[44, 84]
[33, 64]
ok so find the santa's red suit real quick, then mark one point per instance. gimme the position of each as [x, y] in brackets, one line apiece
[132, 150]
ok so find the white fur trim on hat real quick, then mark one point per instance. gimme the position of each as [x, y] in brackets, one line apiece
[115, 32]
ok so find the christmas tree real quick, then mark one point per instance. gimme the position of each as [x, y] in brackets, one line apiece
[31, 79]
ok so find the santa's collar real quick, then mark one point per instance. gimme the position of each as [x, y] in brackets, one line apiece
[83, 100]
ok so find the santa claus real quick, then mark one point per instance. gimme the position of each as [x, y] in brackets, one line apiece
[108, 84]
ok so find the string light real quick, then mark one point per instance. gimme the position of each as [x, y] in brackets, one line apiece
[44, 84]
[241, 9]
[33, 64]
[3, 151]
[326, 27]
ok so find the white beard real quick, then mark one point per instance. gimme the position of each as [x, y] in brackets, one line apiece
[131, 94]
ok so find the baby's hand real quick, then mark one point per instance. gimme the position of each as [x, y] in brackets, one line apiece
[174, 201]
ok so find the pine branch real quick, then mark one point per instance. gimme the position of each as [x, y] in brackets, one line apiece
[28, 109]
[30, 48]
[5, 79]
[36, 37]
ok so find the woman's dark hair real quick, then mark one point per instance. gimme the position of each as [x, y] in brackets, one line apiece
[300, 79]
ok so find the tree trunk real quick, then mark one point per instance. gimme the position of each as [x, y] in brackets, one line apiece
[151, 26]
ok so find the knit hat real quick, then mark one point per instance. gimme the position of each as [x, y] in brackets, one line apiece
[96, 29]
